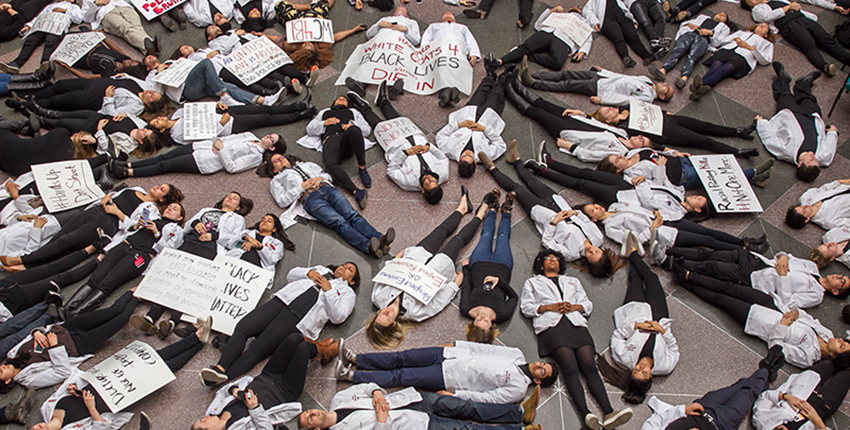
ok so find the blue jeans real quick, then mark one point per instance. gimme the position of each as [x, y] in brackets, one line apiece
[420, 368]
[330, 207]
[444, 413]
[203, 81]
[690, 179]
[15, 329]
[691, 43]
[502, 252]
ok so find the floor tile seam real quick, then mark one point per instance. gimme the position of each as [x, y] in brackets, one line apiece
[722, 330]
[719, 110]
[561, 409]
[312, 242]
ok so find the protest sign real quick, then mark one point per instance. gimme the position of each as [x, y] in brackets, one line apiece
[391, 132]
[129, 375]
[571, 25]
[389, 56]
[412, 277]
[75, 46]
[725, 183]
[66, 184]
[51, 22]
[175, 75]
[255, 59]
[151, 9]
[200, 121]
[309, 30]
[645, 117]
[226, 288]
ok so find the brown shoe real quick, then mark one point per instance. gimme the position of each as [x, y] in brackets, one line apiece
[508, 205]
[327, 352]
[387, 240]
[513, 152]
[529, 406]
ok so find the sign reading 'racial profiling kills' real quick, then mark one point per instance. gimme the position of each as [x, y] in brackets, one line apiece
[425, 70]
[412, 277]
[75, 46]
[725, 183]
[395, 131]
[66, 184]
[151, 9]
[129, 375]
[255, 59]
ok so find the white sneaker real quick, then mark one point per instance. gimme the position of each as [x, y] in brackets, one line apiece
[229, 101]
[275, 98]
[635, 241]
[592, 422]
[617, 418]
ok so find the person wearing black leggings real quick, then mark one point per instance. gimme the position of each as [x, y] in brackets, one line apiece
[689, 8]
[608, 17]
[17, 154]
[650, 16]
[17, 14]
[731, 266]
[74, 95]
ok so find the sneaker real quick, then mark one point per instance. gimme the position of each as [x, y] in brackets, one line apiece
[295, 84]
[184, 330]
[314, 76]
[276, 98]
[592, 422]
[346, 356]
[229, 101]
[830, 69]
[165, 329]
[9, 68]
[344, 373]
[617, 418]
[144, 324]
[534, 166]
[211, 375]
[144, 419]
[364, 177]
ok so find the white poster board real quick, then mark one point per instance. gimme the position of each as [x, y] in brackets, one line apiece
[725, 183]
[129, 375]
[255, 59]
[645, 117]
[412, 277]
[571, 25]
[226, 288]
[75, 46]
[394, 131]
[200, 121]
[66, 184]
[425, 70]
[51, 22]
[309, 30]
[151, 9]
[176, 74]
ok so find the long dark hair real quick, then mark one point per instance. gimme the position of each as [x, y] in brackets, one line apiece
[266, 168]
[245, 204]
[279, 233]
[634, 389]
[604, 268]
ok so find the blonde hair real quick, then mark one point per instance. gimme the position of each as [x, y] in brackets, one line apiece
[817, 257]
[478, 334]
[387, 337]
[597, 115]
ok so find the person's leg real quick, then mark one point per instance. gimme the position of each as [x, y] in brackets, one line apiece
[566, 360]
[495, 100]
[639, 10]
[533, 182]
[587, 363]
[182, 164]
[51, 41]
[420, 368]
[688, 225]
[243, 123]
[333, 151]
[120, 23]
[782, 94]
[683, 45]
[736, 308]
[612, 31]
[731, 405]
[568, 81]
[264, 345]
[44, 271]
[463, 409]
[126, 267]
[686, 238]
[825, 41]
[22, 319]
[833, 391]
[387, 109]
[740, 292]
[288, 365]
[502, 252]
[724, 71]
[806, 101]
[250, 325]
[483, 250]
[34, 293]
[479, 96]
[179, 353]
[555, 57]
[11, 339]
[538, 42]
[317, 205]
[552, 123]
[657, 17]
[436, 237]
[352, 217]
[177, 152]
[602, 192]
[676, 134]
[524, 196]
[74, 240]
[95, 328]
[632, 38]
[797, 33]
[411, 358]
[464, 236]
[651, 287]
[31, 42]
[697, 50]
[634, 289]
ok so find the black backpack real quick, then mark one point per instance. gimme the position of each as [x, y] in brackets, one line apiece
[842, 33]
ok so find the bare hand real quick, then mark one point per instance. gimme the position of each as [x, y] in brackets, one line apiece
[251, 400]
[323, 283]
[781, 265]
[331, 121]
[225, 118]
[656, 327]
[491, 279]
[119, 117]
[832, 128]
[789, 317]
[706, 32]
[314, 276]
[694, 409]
[596, 27]
[345, 126]
[206, 237]
[39, 222]
[563, 143]
[385, 24]
[382, 410]
[841, 10]
[472, 60]
[596, 100]
[72, 389]
[445, 392]
[12, 189]
[110, 91]
[661, 161]
[637, 180]
[218, 145]
[560, 216]
[52, 340]
[579, 56]
[26, 218]
[201, 228]
[152, 227]
[574, 112]
[102, 123]
[557, 9]
[58, 10]
[221, 106]
[213, 54]
[39, 339]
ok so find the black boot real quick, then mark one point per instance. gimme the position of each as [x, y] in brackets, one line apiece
[25, 77]
[13, 126]
[92, 302]
[104, 181]
[27, 86]
[50, 113]
[517, 100]
[78, 299]
[746, 132]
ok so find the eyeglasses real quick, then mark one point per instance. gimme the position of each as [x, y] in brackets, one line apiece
[550, 258]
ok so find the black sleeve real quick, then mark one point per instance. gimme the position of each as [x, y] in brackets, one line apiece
[10, 26]
[510, 305]
[466, 292]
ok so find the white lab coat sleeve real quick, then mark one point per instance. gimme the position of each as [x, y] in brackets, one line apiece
[395, 160]
[589, 15]
[316, 126]
[548, 240]
[75, 14]
[495, 139]
[260, 418]
[60, 370]
[767, 132]
[721, 32]
[828, 5]
[271, 252]
[501, 395]
[445, 132]
[89, 10]
[763, 52]
[338, 303]
[826, 149]
[613, 98]
[230, 231]
[428, 35]
[297, 273]
[373, 30]
[672, 347]
[170, 237]
[763, 13]
[286, 189]
[793, 354]
[527, 305]
[619, 340]
[360, 121]
[412, 34]
[471, 43]
[582, 299]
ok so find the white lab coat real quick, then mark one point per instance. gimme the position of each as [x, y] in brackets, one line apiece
[383, 294]
[226, 43]
[566, 237]
[286, 189]
[359, 398]
[838, 235]
[239, 154]
[20, 237]
[799, 288]
[123, 101]
[405, 169]
[769, 411]
[762, 55]
[316, 127]
[594, 146]
[617, 89]
[574, 47]
[655, 174]
[764, 13]
[271, 252]
[46, 373]
[230, 228]
[452, 139]
[799, 340]
[540, 290]
[461, 32]
[662, 414]
[594, 12]
[72, 11]
[111, 421]
[654, 197]
[485, 373]
[198, 11]
[412, 34]
[94, 14]
[835, 210]
[258, 418]
[627, 343]
[334, 305]
[782, 136]
[721, 31]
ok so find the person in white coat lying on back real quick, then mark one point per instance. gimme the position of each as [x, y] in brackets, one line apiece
[200, 12]
[264, 243]
[62, 411]
[25, 228]
[835, 247]
[827, 206]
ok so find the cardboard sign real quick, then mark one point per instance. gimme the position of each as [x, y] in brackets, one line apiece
[255, 59]
[390, 56]
[66, 184]
[391, 132]
[176, 74]
[645, 117]
[51, 22]
[200, 121]
[309, 30]
[75, 46]
[571, 25]
[226, 288]
[129, 375]
[412, 277]
[151, 9]
[725, 183]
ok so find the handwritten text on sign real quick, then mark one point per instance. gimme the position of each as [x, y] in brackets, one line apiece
[390, 56]
[645, 117]
[151, 9]
[309, 30]
[725, 183]
[75, 46]
[176, 74]
[226, 288]
[129, 375]
[412, 277]
[66, 184]
[569, 24]
[391, 132]
[52, 23]
[200, 121]
[255, 59]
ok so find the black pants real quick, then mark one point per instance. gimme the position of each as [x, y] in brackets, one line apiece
[269, 323]
[121, 264]
[340, 147]
[543, 48]
[808, 36]
[525, 12]
[46, 270]
[24, 296]
[734, 300]
[728, 406]
[831, 390]
[260, 87]
[687, 132]
[744, 293]
[733, 266]
[73, 95]
[282, 379]
[568, 81]
[691, 6]
[650, 17]
[692, 234]
[90, 331]
[432, 242]
[801, 101]
[535, 193]
[645, 287]
[179, 353]
[599, 185]
[550, 116]
[489, 94]
[582, 361]
[620, 30]
[178, 160]
[77, 233]
[251, 117]
[33, 39]
[387, 110]
[76, 121]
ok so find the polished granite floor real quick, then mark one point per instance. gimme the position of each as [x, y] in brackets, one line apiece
[714, 350]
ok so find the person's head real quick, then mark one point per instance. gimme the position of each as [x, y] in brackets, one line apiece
[384, 6]
[209, 422]
[401, 11]
[808, 167]
[613, 164]
[175, 212]
[838, 348]
[763, 30]
[52, 425]
[481, 331]
[211, 32]
[348, 272]
[182, 51]
[798, 216]
[340, 101]
[385, 329]
[594, 211]
[151, 144]
[315, 419]
[606, 114]
[308, 55]
[825, 253]
[161, 123]
[271, 141]
[837, 285]
[270, 225]
[750, 4]
[448, 17]
[543, 373]
[466, 164]
[431, 189]
[133, 68]
[150, 62]
[153, 100]
[721, 17]
[845, 314]
[84, 144]
[639, 141]
[234, 202]
[664, 91]
[9, 370]
[140, 134]
[550, 261]
[635, 383]
[699, 208]
[274, 163]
